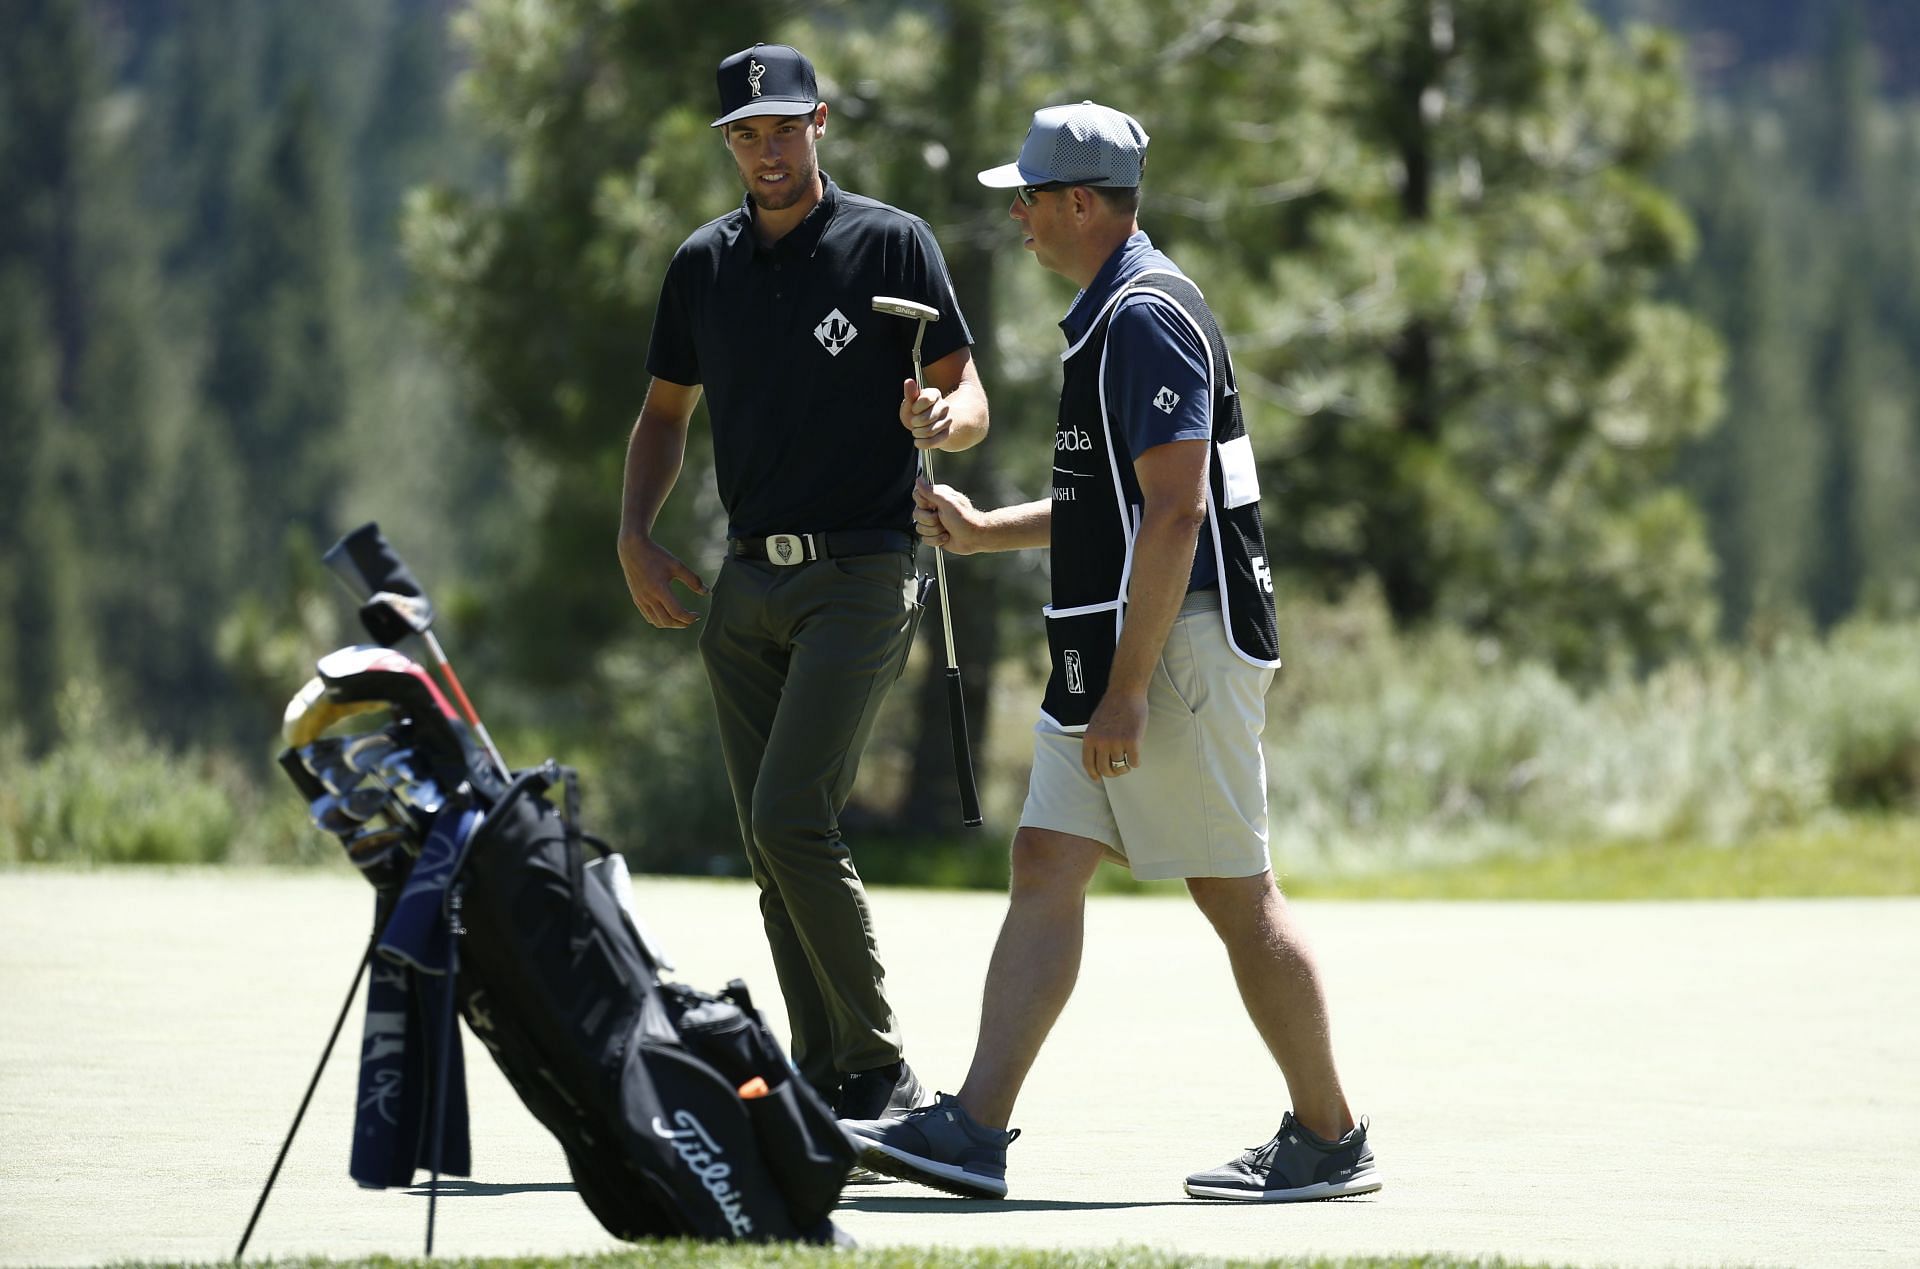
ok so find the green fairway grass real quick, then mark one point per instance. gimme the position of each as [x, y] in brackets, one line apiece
[1861, 858]
[693, 1255]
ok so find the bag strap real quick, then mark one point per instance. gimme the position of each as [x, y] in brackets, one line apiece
[576, 849]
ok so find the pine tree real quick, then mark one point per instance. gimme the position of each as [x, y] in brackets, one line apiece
[46, 96]
[278, 373]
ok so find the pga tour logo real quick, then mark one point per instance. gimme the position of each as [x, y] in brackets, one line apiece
[1165, 399]
[702, 1155]
[1076, 677]
[755, 69]
[835, 332]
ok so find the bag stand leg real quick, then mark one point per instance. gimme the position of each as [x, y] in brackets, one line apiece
[448, 1036]
[312, 1084]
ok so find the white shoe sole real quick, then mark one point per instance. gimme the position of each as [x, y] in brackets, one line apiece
[867, 1176]
[940, 1176]
[1366, 1183]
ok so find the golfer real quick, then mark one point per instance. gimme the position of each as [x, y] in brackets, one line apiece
[1162, 637]
[816, 427]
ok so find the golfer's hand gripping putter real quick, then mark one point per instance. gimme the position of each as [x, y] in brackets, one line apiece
[956, 704]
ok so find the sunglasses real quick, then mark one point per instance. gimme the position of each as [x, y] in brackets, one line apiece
[1030, 194]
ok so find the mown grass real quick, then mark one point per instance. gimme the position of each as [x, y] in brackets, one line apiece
[1870, 859]
[1860, 856]
[690, 1255]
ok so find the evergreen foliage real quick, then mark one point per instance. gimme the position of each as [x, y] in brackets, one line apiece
[1490, 286]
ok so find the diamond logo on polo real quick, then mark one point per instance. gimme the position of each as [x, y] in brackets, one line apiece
[755, 69]
[1166, 399]
[835, 332]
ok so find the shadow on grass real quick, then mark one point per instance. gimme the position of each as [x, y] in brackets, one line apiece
[943, 1205]
[456, 1188]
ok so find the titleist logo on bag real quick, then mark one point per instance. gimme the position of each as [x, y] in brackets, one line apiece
[702, 1155]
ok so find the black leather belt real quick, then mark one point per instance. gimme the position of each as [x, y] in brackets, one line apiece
[800, 548]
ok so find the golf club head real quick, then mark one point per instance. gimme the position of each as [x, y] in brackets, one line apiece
[391, 617]
[303, 779]
[322, 760]
[337, 776]
[397, 765]
[383, 853]
[905, 308]
[370, 840]
[337, 814]
[421, 796]
[367, 754]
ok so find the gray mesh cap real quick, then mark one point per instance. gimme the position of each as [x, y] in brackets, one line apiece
[1086, 144]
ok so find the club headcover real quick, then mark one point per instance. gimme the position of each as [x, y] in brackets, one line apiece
[368, 565]
[312, 710]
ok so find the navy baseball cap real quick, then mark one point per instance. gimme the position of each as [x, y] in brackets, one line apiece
[767, 79]
[1084, 144]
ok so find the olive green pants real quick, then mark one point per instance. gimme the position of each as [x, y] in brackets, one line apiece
[800, 658]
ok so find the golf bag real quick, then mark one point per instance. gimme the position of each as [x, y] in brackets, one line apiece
[678, 1111]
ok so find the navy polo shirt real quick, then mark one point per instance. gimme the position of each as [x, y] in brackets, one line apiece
[1156, 380]
[801, 377]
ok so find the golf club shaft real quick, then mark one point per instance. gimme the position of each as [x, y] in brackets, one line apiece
[460, 695]
[956, 697]
[312, 1084]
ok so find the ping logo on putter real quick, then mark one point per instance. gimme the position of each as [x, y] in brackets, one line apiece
[1166, 399]
[1076, 677]
[835, 332]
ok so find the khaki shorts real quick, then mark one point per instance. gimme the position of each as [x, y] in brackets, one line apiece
[1197, 804]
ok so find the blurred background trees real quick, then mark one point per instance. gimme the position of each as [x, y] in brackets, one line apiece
[1580, 333]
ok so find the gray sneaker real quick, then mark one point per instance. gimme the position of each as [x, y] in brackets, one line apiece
[939, 1145]
[1294, 1166]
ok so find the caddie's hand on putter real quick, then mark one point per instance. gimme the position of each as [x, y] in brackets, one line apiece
[924, 412]
[1111, 745]
[946, 518]
[651, 570]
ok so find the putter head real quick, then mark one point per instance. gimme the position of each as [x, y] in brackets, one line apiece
[905, 308]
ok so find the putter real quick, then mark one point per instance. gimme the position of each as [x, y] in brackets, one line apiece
[956, 703]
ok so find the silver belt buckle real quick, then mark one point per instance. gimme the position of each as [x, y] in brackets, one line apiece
[786, 548]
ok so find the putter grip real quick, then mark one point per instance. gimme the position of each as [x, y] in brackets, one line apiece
[962, 760]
